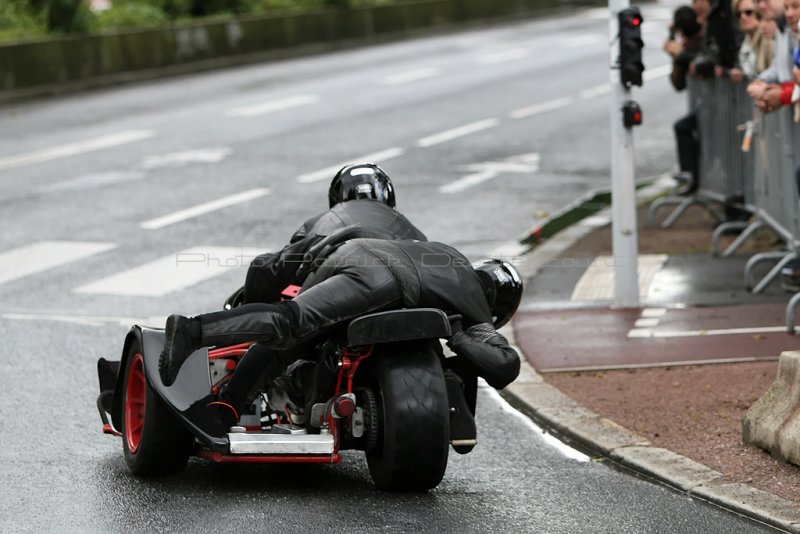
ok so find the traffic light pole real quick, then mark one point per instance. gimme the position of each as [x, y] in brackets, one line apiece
[623, 190]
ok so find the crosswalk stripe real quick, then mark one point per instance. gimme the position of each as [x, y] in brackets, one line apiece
[38, 257]
[174, 272]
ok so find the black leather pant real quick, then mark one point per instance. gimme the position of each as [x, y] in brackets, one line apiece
[336, 293]
[688, 141]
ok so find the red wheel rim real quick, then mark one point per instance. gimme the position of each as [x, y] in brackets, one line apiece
[135, 399]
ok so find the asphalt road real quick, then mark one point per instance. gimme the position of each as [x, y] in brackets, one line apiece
[482, 132]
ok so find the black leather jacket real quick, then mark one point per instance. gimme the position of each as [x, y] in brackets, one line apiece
[270, 273]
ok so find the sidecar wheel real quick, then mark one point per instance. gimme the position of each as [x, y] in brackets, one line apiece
[413, 441]
[154, 443]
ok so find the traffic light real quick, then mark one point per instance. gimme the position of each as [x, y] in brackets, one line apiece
[630, 47]
[631, 114]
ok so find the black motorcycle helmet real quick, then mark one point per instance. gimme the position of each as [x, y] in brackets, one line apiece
[361, 180]
[503, 287]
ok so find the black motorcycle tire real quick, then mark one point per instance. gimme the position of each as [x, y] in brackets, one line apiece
[162, 445]
[413, 443]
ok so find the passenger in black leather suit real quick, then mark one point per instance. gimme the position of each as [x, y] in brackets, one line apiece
[362, 276]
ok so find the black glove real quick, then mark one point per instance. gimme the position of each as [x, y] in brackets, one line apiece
[491, 357]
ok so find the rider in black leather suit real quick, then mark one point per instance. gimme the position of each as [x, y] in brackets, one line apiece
[361, 195]
[370, 275]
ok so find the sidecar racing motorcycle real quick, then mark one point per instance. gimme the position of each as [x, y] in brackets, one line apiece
[390, 400]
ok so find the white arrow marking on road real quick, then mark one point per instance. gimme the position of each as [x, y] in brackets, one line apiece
[38, 257]
[328, 172]
[501, 57]
[181, 159]
[202, 209]
[410, 76]
[72, 149]
[173, 272]
[455, 133]
[544, 107]
[482, 172]
[272, 106]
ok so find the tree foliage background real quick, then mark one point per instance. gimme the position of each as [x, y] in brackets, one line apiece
[20, 19]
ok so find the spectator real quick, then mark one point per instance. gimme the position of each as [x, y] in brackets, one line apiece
[685, 42]
[720, 43]
[773, 89]
[755, 54]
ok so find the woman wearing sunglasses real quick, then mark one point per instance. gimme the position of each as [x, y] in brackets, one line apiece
[757, 50]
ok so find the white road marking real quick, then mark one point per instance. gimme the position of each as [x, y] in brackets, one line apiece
[173, 273]
[657, 72]
[597, 283]
[600, 90]
[455, 133]
[38, 257]
[482, 172]
[651, 333]
[90, 181]
[502, 56]
[544, 107]
[87, 320]
[646, 322]
[654, 312]
[328, 172]
[580, 41]
[560, 446]
[72, 149]
[183, 158]
[410, 76]
[273, 105]
[202, 209]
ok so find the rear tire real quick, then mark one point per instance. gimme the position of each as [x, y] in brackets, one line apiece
[413, 441]
[154, 442]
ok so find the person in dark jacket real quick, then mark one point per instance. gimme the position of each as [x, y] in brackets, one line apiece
[689, 31]
[363, 276]
[360, 195]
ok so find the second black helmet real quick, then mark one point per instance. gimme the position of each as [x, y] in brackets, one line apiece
[361, 180]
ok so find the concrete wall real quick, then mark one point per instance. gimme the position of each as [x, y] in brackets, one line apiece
[71, 63]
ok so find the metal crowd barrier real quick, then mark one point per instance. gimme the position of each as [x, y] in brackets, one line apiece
[721, 106]
[760, 181]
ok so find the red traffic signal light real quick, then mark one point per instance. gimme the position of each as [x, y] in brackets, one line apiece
[630, 47]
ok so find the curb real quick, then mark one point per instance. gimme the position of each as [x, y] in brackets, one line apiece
[564, 418]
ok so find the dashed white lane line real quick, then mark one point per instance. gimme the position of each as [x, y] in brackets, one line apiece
[503, 56]
[181, 159]
[328, 172]
[202, 209]
[86, 320]
[38, 257]
[73, 149]
[172, 273]
[544, 107]
[455, 133]
[593, 92]
[410, 76]
[272, 106]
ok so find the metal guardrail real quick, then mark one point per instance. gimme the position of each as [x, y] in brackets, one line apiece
[760, 181]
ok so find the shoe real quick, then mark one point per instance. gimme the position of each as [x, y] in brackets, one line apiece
[177, 347]
[212, 416]
[686, 183]
[463, 433]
